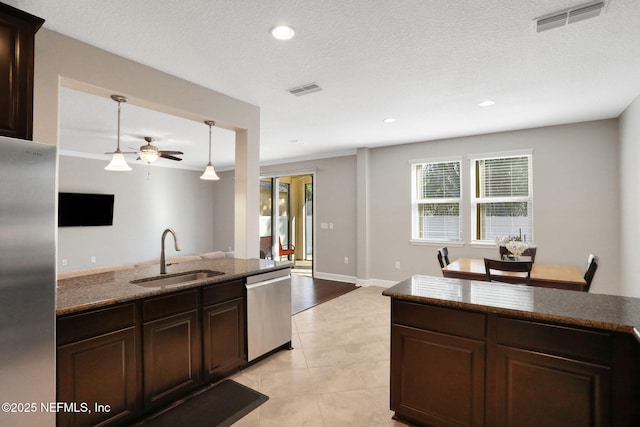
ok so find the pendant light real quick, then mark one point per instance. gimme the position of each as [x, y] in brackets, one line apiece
[118, 163]
[209, 173]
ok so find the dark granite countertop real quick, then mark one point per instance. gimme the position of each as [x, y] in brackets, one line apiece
[103, 289]
[607, 312]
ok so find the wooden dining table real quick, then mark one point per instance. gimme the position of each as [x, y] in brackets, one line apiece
[542, 275]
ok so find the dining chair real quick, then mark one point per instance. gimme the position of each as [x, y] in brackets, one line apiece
[530, 252]
[592, 266]
[508, 266]
[289, 251]
[443, 257]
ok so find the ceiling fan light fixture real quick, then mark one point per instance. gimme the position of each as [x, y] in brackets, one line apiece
[149, 156]
[149, 153]
[118, 163]
[209, 172]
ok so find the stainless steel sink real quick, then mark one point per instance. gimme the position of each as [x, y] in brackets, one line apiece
[175, 279]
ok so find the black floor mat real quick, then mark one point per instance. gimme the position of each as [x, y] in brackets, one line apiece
[220, 406]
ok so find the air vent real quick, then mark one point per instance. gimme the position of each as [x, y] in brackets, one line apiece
[569, 16]
[305, 89]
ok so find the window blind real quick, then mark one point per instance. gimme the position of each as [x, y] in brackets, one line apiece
[437, 201]
[503, 202]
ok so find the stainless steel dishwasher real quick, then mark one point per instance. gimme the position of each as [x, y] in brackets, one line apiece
[268, 312]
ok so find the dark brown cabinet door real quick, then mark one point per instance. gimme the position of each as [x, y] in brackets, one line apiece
[536, 389]
[172, 357]
[223, 330]
[437, 379]
[17, 32]
[98, 371]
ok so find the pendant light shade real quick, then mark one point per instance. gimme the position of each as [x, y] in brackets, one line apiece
[118, 163]
[209, 172]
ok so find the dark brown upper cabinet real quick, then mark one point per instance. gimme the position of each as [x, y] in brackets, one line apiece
[17, 34]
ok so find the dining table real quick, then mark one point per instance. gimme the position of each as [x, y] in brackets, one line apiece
[542, 275]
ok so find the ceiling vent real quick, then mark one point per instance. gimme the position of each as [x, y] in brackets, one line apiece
[305, 89]
[569, 16]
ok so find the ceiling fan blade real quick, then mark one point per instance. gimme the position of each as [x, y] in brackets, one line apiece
[170, 157]
[171, 152]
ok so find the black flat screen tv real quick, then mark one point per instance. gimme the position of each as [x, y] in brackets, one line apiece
[85, 210]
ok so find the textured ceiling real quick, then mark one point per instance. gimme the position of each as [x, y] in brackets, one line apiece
[426, 63]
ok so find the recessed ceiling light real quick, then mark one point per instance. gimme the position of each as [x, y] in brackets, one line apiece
[389, 120]
[283, 32]
[487, 103]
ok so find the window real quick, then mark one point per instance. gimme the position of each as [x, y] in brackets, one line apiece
[436, 201]
[501, 201]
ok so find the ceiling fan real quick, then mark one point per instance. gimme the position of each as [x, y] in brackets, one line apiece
[150, 153]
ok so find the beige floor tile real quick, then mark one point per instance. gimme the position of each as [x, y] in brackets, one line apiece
[320, 339]
[351, 408]
[284, 360]
[297, 411]
[287, 383]
[335, 378]
[330, 356]
[374, 374]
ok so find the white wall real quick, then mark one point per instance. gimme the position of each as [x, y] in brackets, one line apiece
[630, 198]
[147, 200]
[223, 211]
[576, 199]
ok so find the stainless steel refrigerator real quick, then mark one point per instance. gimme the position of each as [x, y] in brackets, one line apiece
[27, 282]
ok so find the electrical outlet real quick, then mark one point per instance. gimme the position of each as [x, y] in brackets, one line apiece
[346, 260]
[93, 260]
[64, 262]
[330, 226]
[398, 264]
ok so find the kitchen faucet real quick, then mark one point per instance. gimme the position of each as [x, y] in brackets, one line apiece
[163, 265]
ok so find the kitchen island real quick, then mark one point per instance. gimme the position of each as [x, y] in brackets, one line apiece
[127, 349]
[467, 353]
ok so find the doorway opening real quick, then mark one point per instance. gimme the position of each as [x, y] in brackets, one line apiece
[286, 220]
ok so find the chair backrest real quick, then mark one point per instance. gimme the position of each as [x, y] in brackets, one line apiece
[592, 266]
[443, 257]
[508, 266]
[530, 252]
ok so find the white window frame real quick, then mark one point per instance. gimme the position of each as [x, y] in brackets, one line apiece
[478, 200]
[415, 202]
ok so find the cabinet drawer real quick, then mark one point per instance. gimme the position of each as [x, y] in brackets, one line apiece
[222, 292]
[592, 346]
[439, 319]
[168, 305]
[77, 327]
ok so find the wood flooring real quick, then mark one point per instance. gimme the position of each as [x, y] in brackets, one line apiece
[307, 291]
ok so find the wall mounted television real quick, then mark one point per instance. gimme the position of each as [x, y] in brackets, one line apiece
[85, 210]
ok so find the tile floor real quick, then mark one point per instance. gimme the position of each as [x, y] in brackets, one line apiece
[338, 372]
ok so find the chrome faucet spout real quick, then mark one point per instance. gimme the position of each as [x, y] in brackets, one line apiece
[163, 263]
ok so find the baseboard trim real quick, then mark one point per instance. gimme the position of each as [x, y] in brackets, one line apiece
[376, 282]
[335, 277]
[355, 280]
